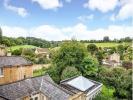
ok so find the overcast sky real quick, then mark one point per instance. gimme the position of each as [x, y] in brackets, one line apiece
[64, 19]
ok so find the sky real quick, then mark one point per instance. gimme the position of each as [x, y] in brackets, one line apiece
[65, 19]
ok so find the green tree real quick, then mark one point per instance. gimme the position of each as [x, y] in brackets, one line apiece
[71, 53]
[120, 79]
[89, 66]
[29, 54]
[92, 48]
[0, 36]
[69, 72]
[54, 72]
[17, 52]
[106, 39]
[100, 56]
[120, 49]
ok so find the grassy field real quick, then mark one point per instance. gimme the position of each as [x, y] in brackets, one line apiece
[21, 46]
[108, 44]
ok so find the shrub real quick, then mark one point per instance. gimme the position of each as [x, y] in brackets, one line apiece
[69, 72]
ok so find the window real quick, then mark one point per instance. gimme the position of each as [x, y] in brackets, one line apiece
[24, 76]
[1, 71]
[36, 98]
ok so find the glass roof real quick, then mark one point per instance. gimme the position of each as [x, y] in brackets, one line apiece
[81, 83]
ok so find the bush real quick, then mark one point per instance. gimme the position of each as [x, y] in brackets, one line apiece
[69, 72]
[54, 73]
[17, 52]
[127, 64]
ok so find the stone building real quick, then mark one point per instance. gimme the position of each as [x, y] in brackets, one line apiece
[44, 88]
[112, 60]
[13, 68]
[2, 50]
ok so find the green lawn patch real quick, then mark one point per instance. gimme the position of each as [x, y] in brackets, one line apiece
[20, 46]
[108, 44]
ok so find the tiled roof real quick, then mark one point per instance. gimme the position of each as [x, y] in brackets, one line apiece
[13, 61]
[27, 87]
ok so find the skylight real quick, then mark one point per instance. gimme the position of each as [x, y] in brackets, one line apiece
[81, 83]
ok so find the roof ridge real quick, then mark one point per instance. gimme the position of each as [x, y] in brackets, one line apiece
[22, 80]
[58, 86]
[70, 78]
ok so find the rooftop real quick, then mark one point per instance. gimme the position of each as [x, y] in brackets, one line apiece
[28, 87]
[13, 61]
[79, 84]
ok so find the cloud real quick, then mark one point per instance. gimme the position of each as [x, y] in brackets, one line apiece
[85, 18]
[101, 5]
[79, 31]
[48, 4]
[126, 11]
[48, 32]
[19, 10]
[14, 31]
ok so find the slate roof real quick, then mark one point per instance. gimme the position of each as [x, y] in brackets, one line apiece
[9, 61]
[27, 87]
[75, 90]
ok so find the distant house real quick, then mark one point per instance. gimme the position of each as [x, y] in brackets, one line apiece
[112, 60]
[42, 52]
[14, 68]
[44, 88]
[82, 88]
[2, 50]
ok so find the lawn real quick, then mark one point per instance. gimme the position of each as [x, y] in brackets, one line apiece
[107, 91]
[21, 46]
[108, 44]
[106, 94]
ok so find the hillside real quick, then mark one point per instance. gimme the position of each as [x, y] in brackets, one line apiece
[108, 44]
[21, 46]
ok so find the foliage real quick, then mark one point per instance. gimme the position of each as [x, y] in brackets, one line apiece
[128, 54]
[120, 49]
[9, 41]
[92, 48]
[29, 54]
[100, 55]
[17, 52]
[39, 72]
[106, 94]
[54, 73]
[0, 36]
[42, 60]
[106, 39]
[21, 46]
[69, 72]
[89, 66]
[70, 54]
[127, 64]
[120, 79]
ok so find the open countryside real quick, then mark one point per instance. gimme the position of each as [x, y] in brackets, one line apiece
[66, 50]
